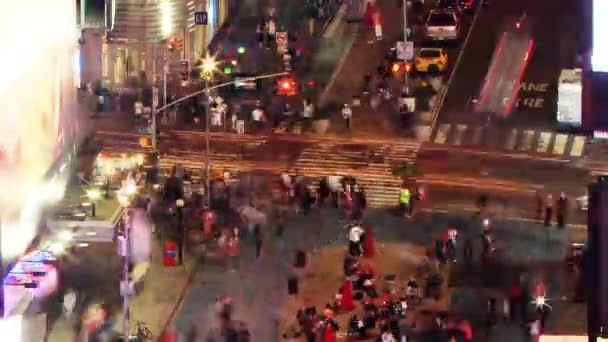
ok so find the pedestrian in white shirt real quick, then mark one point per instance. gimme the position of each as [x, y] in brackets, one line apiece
[354, 238]
[347, 115]
[257, 115]
[334, 183]
[308, 110]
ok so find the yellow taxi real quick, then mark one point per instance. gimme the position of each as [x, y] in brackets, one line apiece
[431, 60]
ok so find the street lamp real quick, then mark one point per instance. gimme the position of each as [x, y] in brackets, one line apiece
[124, 197]
[208, 67]
[179, 204]
[93, 195]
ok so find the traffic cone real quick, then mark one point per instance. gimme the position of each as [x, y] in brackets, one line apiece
[369, 248]
[347, 304]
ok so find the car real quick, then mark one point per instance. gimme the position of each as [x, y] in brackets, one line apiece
[431, 60]
[443, 25]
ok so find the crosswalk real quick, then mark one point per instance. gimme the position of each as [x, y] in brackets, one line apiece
[516, 140]
[371, 165]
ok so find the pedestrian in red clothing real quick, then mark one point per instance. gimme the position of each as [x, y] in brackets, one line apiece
[208, 222]
[369, 13]
[329, 334]
[346, 303]
[369, 248]
[234, 250]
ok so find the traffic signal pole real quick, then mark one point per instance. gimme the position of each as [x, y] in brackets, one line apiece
[407, 77]
[154, 99]
[207, 90]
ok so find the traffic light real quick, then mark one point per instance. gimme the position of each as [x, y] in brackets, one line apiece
[286, 86]
[172, 44]
[396, 67]
[175, 44]
[184, 70]
[228, 69]
[241, 50]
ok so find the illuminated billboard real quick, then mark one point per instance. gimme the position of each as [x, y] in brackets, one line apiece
[599, 55]
[37, 108]
[37, 92]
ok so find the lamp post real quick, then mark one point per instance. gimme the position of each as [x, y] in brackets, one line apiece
[124, 197]
[179, 204]
[407, 78]
[93, 195]
[208, 67]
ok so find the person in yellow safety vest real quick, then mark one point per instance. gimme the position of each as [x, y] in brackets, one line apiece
[404, 200]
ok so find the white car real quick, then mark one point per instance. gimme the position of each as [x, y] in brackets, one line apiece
[443, 25]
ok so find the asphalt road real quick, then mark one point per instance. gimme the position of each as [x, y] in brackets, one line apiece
[366, 54]
[555, 47]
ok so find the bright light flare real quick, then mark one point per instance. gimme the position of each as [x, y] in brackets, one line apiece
[65, 235]
[209, 65]
[166, 14]
[541, 302]
[94, 194]
[57, 248]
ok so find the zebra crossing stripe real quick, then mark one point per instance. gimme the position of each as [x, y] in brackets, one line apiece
[543, 142]
[511, 140]
[460, 129]
[526, 143]
[442, 134]
[559, 147]
[577, 146]
[477, 135]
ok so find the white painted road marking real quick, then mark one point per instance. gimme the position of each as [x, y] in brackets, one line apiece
[511, 140]
[526, 143]
[577, 146]
[560, 143]
[442, 134]
[477, 135]
[544, 139]
[460, 129]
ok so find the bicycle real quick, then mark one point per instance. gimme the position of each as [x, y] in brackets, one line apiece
[143, 333]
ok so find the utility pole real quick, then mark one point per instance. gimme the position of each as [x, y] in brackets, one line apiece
[165, 72]
[207, 142]
[407, 77]
[154, 99]
[125, 269]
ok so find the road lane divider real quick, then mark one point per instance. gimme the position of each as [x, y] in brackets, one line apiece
[443, 95]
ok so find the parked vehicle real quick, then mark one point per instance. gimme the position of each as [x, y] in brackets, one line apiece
[443, 25]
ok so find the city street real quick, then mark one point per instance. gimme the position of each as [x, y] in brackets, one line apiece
[530, 127]
[258, 288]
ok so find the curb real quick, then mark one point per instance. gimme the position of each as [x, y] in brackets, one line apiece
[180, 299]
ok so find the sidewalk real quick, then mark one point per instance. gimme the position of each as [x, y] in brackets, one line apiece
[164, 288]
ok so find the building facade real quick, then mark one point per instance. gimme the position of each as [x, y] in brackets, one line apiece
[138, 30]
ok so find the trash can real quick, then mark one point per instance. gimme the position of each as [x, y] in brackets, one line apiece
[169, 253]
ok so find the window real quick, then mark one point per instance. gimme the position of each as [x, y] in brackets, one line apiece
[428, 53]
[442, 19]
